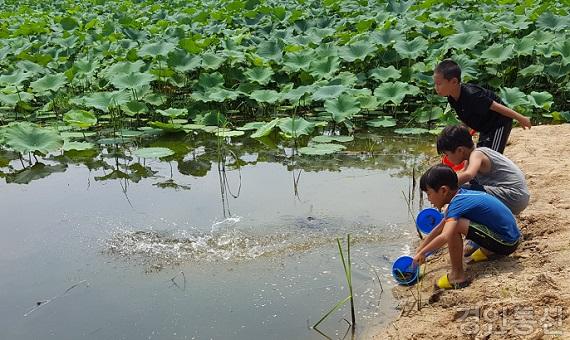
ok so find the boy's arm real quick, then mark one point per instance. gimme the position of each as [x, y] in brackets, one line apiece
[473, 166]
[435, 232]
[505, 111]
[437, 242]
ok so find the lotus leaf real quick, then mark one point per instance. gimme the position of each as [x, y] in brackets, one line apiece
[384, 121]
[498, 53]
[270, 50]
[49, 82]
[173, 113]
[123, 68]
[550, 21]
[325, 68]
[542, 100]
[513, 97]
[343, 107]
[385, 73]
[211, 61]
[411, 49]
[465, 41]
[229, 133]
[330, 91]
[153, 152]
[167, 127]
[211, 119]
[104, 100]
[411, 131]
[131, 80]
[356, 51]
[251, 126]
[157, 49]
[298, 61]
[394, 92]
[265, 96]
[79, 146]
[266, 129]
[27, 137]
[15, 98]
[320, 149]
[295, 95]
[328, 139]
[80, 118]
[15, 79]
[295, 126]
[387, 37]
[210, 80]
[261, 75]
[181, 61]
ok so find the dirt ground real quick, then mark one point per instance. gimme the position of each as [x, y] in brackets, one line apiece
[522, 296]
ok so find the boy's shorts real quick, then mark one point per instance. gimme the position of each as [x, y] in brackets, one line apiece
[497, 138]
[488, 239]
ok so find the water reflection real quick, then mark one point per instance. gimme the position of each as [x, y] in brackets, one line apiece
[195, 154]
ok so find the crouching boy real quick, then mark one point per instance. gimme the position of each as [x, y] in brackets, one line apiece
[475, 215]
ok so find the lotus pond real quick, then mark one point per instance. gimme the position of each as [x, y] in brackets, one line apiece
[105, 244]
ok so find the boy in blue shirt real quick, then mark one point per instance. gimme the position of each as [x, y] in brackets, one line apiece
[476, 215]
[478, 108]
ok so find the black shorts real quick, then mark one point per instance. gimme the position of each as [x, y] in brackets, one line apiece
[496, 139]
[488, 239]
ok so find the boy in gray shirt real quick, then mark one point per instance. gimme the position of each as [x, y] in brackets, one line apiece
[492, 172]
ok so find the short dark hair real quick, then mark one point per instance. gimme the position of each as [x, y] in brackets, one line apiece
[449, 69]
[452, 137]
[438, 176]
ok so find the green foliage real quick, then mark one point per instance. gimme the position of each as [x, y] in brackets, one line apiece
[26, 137]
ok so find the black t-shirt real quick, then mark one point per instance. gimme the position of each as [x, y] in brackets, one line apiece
[473, 108]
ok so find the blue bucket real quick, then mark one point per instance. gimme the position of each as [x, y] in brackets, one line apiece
[428, 219]
[404, 271]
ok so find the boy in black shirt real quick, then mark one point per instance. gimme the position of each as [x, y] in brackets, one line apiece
[480, 109]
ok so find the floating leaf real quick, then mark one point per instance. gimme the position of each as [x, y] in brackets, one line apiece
[384, 121]
[229, 133]
[328, 139]
[320, 149]
[411, 131]
[173, 113]
[78, 146]
[153, 152]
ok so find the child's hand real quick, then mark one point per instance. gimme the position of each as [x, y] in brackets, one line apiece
[525, 122]
[419, 258]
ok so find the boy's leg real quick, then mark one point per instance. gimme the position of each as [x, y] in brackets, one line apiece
[496, 139]
[489, 241]
[455, 247]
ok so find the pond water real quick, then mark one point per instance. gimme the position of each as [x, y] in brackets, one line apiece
[103, 245]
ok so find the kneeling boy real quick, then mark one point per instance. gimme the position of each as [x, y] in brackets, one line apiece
[476, 215]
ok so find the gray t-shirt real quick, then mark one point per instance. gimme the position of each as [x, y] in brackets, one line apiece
[505, 181]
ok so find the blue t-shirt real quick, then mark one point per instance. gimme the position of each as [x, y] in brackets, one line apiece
[484, 209]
